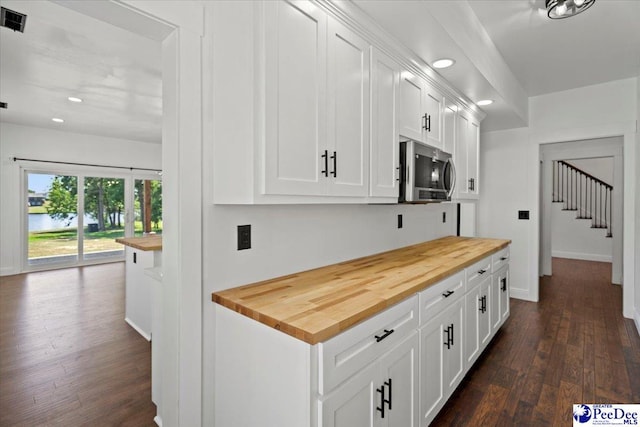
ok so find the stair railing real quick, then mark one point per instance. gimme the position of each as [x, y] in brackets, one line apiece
[582, 192]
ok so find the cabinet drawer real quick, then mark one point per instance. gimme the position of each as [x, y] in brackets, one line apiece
[349, 352]
[440, 296]
[500, 259]
[477, 272]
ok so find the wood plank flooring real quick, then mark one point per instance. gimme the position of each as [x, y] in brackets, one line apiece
[67, 357]
[574, 346]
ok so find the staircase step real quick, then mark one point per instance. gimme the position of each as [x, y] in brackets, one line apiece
[557, 201]
[584, 217]
[599, 226]
[570, 209]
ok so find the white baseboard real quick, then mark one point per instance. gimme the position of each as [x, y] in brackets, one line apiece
[158, 420]
[522, 294]
[7, 271]
[145, 335]
[581, 256]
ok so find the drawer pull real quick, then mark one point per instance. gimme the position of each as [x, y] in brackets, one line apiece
[482, 271]
[387, 332]
[448, 294]
[503, 258]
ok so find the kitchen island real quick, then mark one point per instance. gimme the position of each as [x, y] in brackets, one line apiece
[329, 346]
[143, 299]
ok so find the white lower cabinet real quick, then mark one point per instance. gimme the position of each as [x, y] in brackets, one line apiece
[441, 359]
[478, 321]
[395, 369]
[384, 394]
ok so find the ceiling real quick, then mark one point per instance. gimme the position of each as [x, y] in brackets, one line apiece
[510, 50]
[504, 50]
[63, 53]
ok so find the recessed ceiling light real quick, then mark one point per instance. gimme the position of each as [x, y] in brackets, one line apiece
[57, 120]
[484, 102]
[74, 99]
[443, 63]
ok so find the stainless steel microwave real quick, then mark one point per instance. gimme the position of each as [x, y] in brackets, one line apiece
[427, 174]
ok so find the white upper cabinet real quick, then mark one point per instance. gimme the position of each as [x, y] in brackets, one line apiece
[466, 158]
[295, 114]
[411, 107]
[385, 81]
[348, 112]
[449, 127]
[434, 102]
[420, 112]
[317, 104]
[307, 108]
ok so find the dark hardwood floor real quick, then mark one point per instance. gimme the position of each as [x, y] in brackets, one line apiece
[67, 357]
[573, 346]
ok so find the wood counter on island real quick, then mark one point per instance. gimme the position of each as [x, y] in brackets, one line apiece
[318, 304]
[152, 242]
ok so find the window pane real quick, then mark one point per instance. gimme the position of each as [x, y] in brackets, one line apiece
[103, 217]
[148, 207]
[52, 218]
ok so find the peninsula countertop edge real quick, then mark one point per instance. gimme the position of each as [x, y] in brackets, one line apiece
[315, 305]
[152, 242]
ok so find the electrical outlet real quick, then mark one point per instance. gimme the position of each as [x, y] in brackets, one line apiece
[444, 217]
[399, 220]
[523, 214]
[244, 237]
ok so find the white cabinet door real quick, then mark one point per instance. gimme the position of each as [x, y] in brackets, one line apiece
[453, 361]
[466, 157]
[295, 98]
[399, 369]
[432, 385]
[411, 107]
[504, 295]
[484, 313]
[460, 157]
[138, 292]
[433, 104]
[473, 158]
[348, 111]
[449, 128]
[353, 404]
[494, 311]
[473, 306]
[385, 81]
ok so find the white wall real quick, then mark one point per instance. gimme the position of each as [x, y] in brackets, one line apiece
[51, 145]
[505, 174]
[600, 167]
[637, 218]
[574, 238]
[604, 110]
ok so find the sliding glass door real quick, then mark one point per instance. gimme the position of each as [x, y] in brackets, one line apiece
[52, 219]
[74, 219]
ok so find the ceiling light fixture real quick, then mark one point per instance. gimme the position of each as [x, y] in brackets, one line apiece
[560, 9]
[74, 99]
[57, 120]
[443, 63]
[484, 102]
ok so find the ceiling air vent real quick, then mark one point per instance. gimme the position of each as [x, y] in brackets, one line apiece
[12, 19]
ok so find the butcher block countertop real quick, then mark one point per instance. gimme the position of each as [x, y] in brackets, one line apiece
[318, 304]
[151, 242]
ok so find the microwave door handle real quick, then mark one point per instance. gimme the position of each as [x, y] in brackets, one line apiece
[453, 181]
